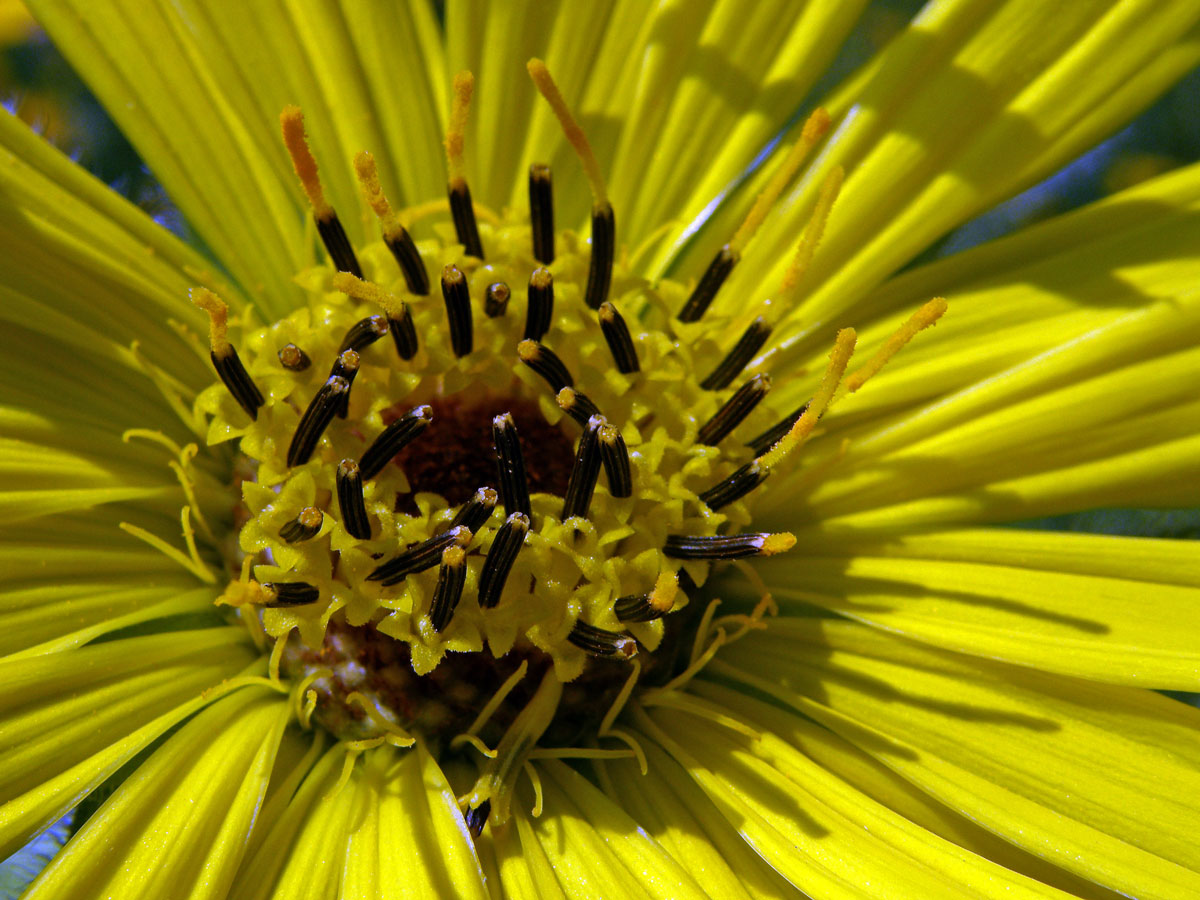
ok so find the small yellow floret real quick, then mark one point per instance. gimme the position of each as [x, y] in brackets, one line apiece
[919, 321]
[464, 86]
[291, 120]
[574, 134]
[839, 358]
[662, 598]
[814, 129]
[218, 318]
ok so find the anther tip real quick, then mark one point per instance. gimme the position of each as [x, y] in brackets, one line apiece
[541, 278]
[778, 543]
[528, 350]
[452, 274]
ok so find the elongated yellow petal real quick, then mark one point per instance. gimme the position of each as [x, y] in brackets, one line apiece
[1077, 772]
[178, 825]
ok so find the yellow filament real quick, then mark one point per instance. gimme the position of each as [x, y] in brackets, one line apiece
[277, 656]
[218, 318]
[662, 598]
[492, 705]
[814, 129]
[536, 780]
[354, 287]
[475, 741]
[193, 563]
[368, 181]
[920, 320]
[811, 237]
[574, 134]
[304, 709]
[464, 86]
[401, 736]
[291, 121]
[839, 358]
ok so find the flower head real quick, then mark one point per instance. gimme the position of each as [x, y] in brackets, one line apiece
[521, 558]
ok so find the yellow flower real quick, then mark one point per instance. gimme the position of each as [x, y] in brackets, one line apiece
[308, 672]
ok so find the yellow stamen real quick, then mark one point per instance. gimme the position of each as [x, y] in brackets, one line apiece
[536, 780]
[839, 358]
[814, 129]
[464, 86]
[354, 287]
[242, 593]
[494, 704]
[811, 238]
[920, 320]
[662, 598]
[218, 318]
[291, 121]
[575, 136]
[277, 656]
[193, 563]
[402, 737]
[368, 181]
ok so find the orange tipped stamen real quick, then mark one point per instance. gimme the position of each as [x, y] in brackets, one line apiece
[662, 598]
[464, 86]
[574, 134]
[920, 320]
[354, 287]
[839, 358]
[813, 232]
[368, 181]
[291, 120]
[814, 129]
[218, 318]
[778, 543]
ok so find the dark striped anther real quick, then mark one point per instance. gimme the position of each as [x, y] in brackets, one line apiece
[345, 366]
[604, 237]
[651, 606]
[304, 527]
[476, 817]
[737, 359]
[736, 486]
[620, 344]
[546, 363]
[463, 213]
[736, 408]
[316, 419]
[710, 282]
[510, 465]
[409, 260]
[333, 236]
[458, 310]
[237, 380]
[495, 299]
[576, 404]
[404, 332]
[451, 577]
[364, 333]
[541, 212]
[615, 457]
[540, 310]
[582, 482]
[500, 558]
[775, 433]
[477, 510]
[420, 556]
[727, 546]
[290, 593]
[393, 439]
[599, 642]
[293, 358]
[350, 500]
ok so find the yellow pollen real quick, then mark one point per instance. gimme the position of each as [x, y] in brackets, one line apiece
[291, 120]
[839, 358]
[454, 556]
[575, 136]
[355, 287]
[368, 181]
[814, 129]
[218, 318]
[920, 320]
[541, 278]
[811, 237]
[778, 543]
[662, 598]
[528, 350]
[243, 593]
[564, 398]
[464, 86]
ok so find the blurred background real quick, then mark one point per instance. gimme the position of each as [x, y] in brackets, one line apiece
[39, 87]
